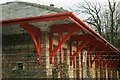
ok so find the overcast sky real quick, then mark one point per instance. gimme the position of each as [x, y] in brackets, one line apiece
[58, 3]
[66, 4]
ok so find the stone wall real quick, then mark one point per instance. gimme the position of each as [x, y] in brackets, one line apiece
[24, 52]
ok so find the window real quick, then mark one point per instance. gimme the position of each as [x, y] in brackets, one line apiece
[19, 66]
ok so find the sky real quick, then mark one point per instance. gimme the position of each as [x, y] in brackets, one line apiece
[65, 4]
[58, 3]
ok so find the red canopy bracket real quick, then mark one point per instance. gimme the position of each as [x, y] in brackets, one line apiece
[105, 63]
[115, 61]
[100, 61]
[69, 28]
[71, 52]
[91, 49]
[89, 52]
[110, 63]
[34, 33]
[96, 57]
[79, 48]
[115, 64]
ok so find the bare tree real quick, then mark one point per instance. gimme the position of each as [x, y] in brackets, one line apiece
[111, 25]
[93, 10]
[112, 22]
[102, 18]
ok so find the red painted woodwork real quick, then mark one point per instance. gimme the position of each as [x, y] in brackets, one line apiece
[71, 52]
[115, 64]
[101, 60]
[58, 16]
[60, 35]
[110, 63]
[70, 28]
[106, 62]
[64, 27]
[91, 49]
[89, 53]
[96, 57]
[79, 48]
[51, 17]
[33, 32]
[57, 29]
[114, 61]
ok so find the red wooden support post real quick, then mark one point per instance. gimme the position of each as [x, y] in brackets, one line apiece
[111, 63]
[33, 32]
[116, 61]
[77, 47]
[90, 60]
[108, 64]
[104, 63]
[70, 53]
[87, 41]
[89, 53]
[51, 46]
[92, 49]
[115, 64]
[82, 46]
[100, 61]
[70, 29]
[53, 52]
[96, 57]
[59, 40]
